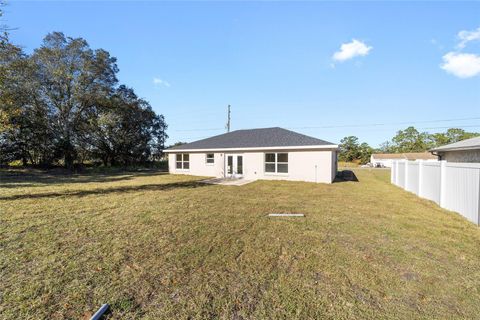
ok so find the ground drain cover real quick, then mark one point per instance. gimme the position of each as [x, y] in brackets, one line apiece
[286, 215]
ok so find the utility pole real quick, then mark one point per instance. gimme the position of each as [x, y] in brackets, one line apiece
[228, 119]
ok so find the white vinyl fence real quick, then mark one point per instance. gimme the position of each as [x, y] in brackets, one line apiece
[453, 186]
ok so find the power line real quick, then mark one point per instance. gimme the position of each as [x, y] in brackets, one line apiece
[457, 127]
[352, 125]
[418, 128]
[193, 130]
[375, 129]
[192, 138]
[197, 113]
[384, 124]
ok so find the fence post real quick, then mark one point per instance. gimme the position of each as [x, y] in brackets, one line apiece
[478, 203]
[443, 183]
[420, 178]
[406, 175]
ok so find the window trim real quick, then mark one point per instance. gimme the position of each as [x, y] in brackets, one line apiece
[181, 156]
[212, 158]
[275, 163]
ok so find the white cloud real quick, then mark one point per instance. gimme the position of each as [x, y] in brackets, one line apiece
[160, 83]
[466, 36]
[462, 65]
[350, 50]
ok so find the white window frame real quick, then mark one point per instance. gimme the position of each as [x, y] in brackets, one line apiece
[212, 158]
[181, 156]
[276, 163]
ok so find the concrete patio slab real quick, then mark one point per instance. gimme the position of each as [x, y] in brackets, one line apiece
[227, 181]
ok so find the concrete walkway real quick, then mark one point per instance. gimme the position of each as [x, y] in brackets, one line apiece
[227, 181]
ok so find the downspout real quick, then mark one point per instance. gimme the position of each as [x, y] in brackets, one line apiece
[436, 154]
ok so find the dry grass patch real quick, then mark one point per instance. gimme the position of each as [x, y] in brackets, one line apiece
[159, 246]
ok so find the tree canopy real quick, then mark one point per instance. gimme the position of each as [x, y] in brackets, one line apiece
[407, 140]
[63, 104]
[349, 149]
[411, 140]
[352, 150]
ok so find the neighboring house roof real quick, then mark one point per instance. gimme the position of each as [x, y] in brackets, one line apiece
[255, 139]
[468, 144]
[405, 155]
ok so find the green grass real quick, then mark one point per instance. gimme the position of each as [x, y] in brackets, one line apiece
[159, 246]
[344, 164]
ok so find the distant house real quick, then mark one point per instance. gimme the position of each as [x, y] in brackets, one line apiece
[268, 153]
[385, 159]
[463, 151]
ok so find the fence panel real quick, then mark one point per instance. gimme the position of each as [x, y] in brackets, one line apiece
[454, 186]
[463, 190]
[431, 181]
[393, 172]
[412, 180]
[401, 174]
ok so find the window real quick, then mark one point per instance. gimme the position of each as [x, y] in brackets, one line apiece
[182, 161]
[210, 159]
[276, 162]
[240, 164]
[230, 164]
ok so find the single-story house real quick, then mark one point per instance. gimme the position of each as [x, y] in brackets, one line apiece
[463, 151]
[385, 159]
[267, 153]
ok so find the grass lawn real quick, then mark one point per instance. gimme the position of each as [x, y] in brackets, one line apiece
[160, 246]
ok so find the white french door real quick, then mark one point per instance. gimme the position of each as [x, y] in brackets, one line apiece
[233, 165]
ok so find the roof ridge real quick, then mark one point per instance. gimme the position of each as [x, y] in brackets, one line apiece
[255, 138]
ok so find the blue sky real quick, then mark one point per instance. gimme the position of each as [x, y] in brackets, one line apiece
[274, 62]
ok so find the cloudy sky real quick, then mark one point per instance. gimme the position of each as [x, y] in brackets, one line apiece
[321, 68]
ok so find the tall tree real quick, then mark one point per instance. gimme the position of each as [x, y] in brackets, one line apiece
[365, 152]
[123, 129]
[410, 140]
[349, 149]
[23, 118]
[63, 103]
[452, 135]
[3, 27]
[159, 136]
[74, 78]
[386, 147]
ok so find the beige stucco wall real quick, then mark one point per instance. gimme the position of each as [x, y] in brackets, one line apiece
[198, 165]
[312, 166]
[461, 156]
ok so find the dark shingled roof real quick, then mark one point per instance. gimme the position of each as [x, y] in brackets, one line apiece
[254, 138]
[468, 144]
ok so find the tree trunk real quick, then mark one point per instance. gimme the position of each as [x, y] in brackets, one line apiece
[68, 159]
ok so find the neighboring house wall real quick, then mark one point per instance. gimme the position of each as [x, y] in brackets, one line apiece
[313, 166]
[388, 162]
[385, 162]
[461, 156]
